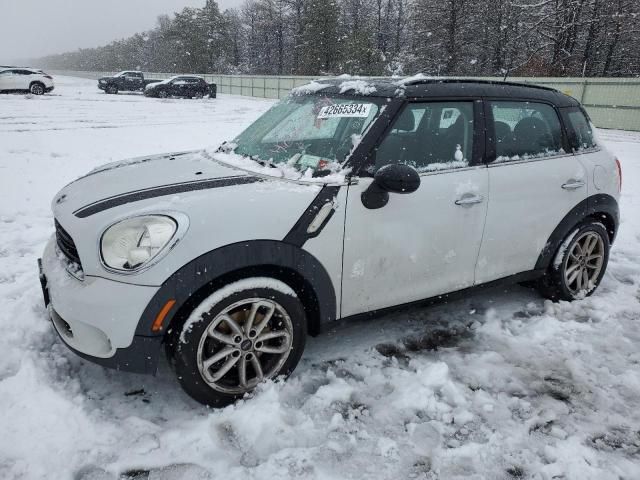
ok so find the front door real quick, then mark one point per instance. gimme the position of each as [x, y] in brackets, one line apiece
[534, 182]
[425, 243]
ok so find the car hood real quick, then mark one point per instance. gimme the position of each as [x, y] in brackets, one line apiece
[217, 203]
[148, 177]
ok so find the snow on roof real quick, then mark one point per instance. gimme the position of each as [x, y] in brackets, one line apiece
[358, 86]
[309, 88]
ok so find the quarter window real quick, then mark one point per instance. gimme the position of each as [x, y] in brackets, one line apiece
[429, 137]
[584, 138]
[525, 130]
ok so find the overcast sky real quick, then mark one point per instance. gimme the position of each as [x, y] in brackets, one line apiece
[33, 28]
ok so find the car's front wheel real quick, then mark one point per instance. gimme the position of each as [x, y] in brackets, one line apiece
[240, 335]
[111, 89]
[37, 88]
[579, 264]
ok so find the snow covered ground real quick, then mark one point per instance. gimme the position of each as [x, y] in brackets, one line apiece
[499, 385]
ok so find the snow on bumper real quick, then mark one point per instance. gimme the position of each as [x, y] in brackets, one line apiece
[96, 317]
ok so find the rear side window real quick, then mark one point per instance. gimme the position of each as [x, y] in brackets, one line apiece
[429, 136]
[525, 130]
[582, 137]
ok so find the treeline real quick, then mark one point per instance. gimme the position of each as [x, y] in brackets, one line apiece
[383, 37]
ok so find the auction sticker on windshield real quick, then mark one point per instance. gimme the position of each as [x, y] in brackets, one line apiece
[345, 110]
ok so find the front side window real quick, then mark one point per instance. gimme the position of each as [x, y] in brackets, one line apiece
[429, 137]
[308, 131]
[525, 130]
[582, 138]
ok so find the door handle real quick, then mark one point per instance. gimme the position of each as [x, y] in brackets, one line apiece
[573, 184]
[469, 200]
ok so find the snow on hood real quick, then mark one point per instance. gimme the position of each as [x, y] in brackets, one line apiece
[142, 173]
[280, 170]
[159, 82]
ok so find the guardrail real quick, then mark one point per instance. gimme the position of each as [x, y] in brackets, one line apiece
[611, 102]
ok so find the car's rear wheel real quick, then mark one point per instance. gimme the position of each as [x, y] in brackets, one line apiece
[579, 264]
[37, 88]
[247, 332]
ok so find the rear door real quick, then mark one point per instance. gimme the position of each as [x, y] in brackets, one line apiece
[7, 80]
[425, 243]
[535, 181]
[21, 79]
[135, 80]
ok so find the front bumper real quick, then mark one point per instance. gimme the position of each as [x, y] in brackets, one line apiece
[97, 318]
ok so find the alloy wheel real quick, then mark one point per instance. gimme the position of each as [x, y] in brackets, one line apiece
[584, 263]
[246, 343]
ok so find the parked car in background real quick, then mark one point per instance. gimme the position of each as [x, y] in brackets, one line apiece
[25, 80]
[188, 86]
[226, 259]
[127, 81]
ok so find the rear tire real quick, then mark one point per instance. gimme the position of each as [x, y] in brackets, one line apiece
[246, 332]
[37, 88]
[578, 265]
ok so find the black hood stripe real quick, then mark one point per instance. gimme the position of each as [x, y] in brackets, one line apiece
[161, 191]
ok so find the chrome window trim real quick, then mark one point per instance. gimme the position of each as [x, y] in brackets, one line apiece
[450, 170]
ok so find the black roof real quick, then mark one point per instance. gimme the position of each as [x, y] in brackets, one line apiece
[425, 87]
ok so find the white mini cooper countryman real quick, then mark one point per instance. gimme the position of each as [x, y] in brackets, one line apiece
[349, 197]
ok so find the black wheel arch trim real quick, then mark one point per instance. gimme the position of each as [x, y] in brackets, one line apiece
[599, 203]
[245, 256]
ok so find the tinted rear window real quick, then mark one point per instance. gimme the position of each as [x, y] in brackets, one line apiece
[525, 130]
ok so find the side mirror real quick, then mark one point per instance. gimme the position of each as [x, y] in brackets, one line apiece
[394, 178]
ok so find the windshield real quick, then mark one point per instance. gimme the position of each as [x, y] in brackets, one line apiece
[314, 132]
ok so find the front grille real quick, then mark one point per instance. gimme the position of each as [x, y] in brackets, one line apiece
[66, 245]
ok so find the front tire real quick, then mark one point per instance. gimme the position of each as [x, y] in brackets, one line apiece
[242, 334]
[37, 88]
[111, 90]
[579, 264]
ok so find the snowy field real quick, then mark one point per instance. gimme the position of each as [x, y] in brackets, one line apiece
[500, 385]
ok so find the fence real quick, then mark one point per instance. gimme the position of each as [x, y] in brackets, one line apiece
[611, 102]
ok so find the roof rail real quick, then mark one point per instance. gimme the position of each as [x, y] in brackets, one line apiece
[420, 81]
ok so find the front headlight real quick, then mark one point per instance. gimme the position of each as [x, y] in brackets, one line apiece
[131, 243]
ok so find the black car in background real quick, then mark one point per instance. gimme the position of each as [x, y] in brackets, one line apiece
[188, 86]
[127, 81]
